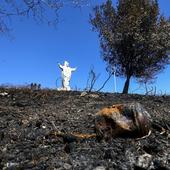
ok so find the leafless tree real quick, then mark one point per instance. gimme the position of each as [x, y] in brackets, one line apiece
[92, 78]
[40, 10]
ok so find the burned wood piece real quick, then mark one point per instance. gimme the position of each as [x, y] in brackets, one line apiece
[71, 137]
[130, 120]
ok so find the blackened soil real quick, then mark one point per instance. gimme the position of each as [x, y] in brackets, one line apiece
[27, 118]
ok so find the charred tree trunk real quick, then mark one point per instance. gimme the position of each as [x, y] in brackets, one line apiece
[126, 86]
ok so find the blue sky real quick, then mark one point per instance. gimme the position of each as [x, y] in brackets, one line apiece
[34, 51]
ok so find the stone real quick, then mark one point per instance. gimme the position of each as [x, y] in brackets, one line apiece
[94, 96]
[4, 94]
[84, 93]
[11, 164]
[67, 166]
[131, 120]
[100, 168]
[144, 161]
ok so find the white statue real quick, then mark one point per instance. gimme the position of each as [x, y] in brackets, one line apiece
[66, 75]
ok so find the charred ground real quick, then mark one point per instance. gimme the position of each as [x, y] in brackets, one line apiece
[27, 118]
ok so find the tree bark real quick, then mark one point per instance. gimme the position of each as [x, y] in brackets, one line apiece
[126, 86]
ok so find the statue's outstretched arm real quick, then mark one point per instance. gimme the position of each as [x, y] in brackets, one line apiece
[60, 66]
[73, 69]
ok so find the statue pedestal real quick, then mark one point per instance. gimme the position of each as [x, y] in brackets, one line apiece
[63, 89]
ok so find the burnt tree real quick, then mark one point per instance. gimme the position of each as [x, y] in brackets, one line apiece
[134, 37]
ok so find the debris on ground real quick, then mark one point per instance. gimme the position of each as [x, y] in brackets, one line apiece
[27, 118]
[123, 119]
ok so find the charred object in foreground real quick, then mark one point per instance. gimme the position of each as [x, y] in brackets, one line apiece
[126, 120]
[130, 120]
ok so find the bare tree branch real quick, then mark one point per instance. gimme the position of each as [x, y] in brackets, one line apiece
[110, 75]
[92, 78]
[40, 10]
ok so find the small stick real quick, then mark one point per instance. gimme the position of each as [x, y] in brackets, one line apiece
[144, 137]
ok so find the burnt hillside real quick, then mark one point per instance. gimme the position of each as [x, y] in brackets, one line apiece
[27, 117]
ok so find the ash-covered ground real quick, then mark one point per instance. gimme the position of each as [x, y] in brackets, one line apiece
[27, 118]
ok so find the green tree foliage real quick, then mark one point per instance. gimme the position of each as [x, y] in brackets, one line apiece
[40, 10]
[134, 37]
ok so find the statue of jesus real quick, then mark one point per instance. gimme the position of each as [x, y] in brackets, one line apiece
[66, 72]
